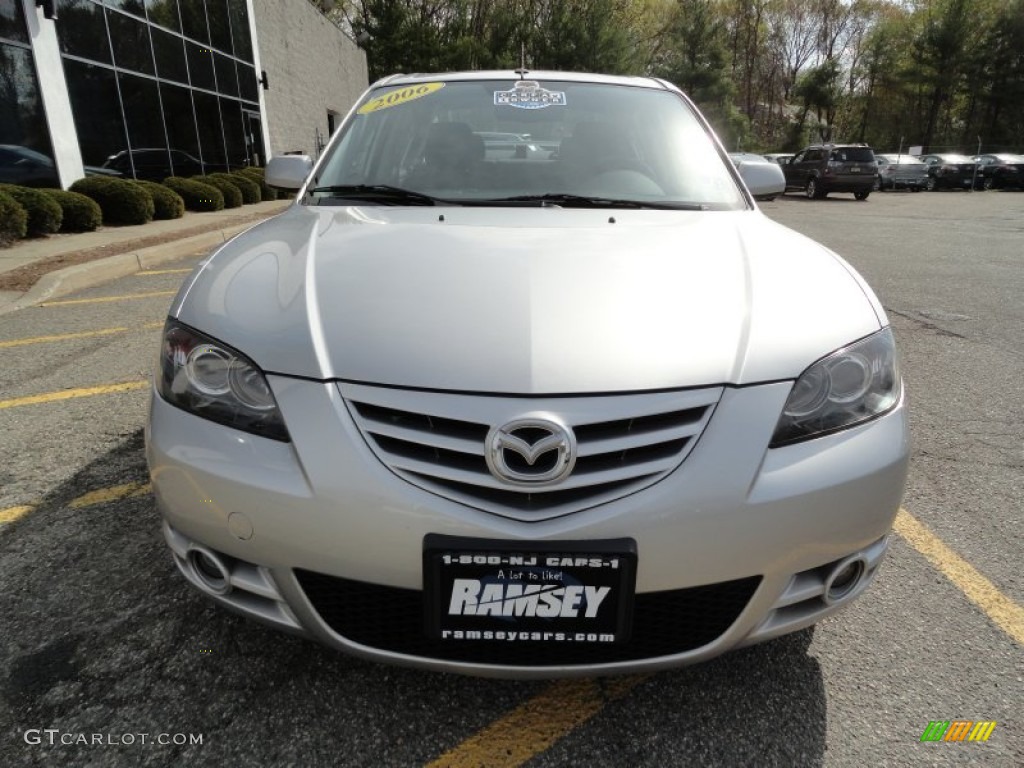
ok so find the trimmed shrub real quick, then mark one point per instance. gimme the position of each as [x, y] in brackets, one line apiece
[250, 188]
[13, 220]
[81, 213]
[267, 192]
[167, 204]
[122, 201]
[197, 195]
[44, 215]
[232, 194]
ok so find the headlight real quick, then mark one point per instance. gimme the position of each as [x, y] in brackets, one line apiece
[210, 379]
[850, 386]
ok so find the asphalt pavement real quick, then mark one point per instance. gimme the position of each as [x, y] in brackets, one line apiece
[104, 642]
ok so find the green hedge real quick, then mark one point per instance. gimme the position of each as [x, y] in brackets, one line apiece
[81, 213]
[167, 204]
[197, 196]
[250, 188]
[267, 192]
[122, 201]
[44, 215]
[13, 220]
[223, 182]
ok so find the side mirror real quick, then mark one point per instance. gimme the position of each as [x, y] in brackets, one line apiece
[288, 171]
[763, 179]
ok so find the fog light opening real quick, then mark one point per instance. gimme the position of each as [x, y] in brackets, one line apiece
[845, 579]
[209, 570]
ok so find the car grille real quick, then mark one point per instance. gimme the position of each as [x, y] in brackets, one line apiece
[437, 441]
[392, 619]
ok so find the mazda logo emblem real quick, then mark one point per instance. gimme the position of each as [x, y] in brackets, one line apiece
[531, 451]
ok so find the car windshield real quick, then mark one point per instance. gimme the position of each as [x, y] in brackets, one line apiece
[522, 142]
[31, 154]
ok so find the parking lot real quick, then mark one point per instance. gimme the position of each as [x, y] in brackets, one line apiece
[104, 638]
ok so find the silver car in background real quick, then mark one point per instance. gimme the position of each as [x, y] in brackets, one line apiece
[578, 414]
[897, 171]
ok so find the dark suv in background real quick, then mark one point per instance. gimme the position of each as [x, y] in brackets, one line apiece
[823, 168]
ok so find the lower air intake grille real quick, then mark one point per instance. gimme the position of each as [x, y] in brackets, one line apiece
[391, 619]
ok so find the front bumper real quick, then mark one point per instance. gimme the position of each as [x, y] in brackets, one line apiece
[776, 521]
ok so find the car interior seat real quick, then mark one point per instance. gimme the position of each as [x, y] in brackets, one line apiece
[451, 157]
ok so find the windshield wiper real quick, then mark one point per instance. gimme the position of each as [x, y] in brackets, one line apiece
[383, 194]
[563, 200]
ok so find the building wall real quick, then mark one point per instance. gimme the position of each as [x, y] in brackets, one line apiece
[312, 67]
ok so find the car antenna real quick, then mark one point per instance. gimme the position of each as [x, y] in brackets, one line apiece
[522, 62]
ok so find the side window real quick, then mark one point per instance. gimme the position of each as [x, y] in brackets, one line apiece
[797, 158]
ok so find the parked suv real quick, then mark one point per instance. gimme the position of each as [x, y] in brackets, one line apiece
[823, 168]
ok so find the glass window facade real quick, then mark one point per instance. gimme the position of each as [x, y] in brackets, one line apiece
[160, 87]
[26, 156]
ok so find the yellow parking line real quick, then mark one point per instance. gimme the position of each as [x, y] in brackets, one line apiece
[1006, 614]
[11, 514]
[105, 299]
[68, 394]
[535, 725]
[149, 272]
[69, 336]
[113, 493]
[538, 723]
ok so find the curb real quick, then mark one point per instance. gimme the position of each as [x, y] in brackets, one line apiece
[93, 273]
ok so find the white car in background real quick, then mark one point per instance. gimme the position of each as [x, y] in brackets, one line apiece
[575, 416]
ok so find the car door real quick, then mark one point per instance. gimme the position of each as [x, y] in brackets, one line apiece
[791, 170]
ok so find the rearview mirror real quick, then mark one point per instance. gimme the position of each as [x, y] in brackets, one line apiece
[763, 179]
[288, 171]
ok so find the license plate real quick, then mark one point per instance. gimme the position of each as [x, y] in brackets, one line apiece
[543, 593]
[855, 169]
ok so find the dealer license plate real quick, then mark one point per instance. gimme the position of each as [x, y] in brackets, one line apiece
[493, 591]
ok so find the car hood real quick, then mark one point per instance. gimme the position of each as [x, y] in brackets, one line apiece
[528, 300]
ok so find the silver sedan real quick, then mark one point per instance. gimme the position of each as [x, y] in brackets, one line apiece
[527, 414]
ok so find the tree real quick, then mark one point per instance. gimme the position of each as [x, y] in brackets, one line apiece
[693, 56]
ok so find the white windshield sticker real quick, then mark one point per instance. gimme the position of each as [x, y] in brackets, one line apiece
[527, 94]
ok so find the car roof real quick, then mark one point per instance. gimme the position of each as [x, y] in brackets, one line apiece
[573, 77]
[836, 146]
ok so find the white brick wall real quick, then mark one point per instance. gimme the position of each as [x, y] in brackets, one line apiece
[312, 67]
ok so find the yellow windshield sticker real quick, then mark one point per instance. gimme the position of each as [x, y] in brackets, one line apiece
[401, 96]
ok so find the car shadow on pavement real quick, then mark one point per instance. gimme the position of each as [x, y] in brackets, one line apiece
[104, 640]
